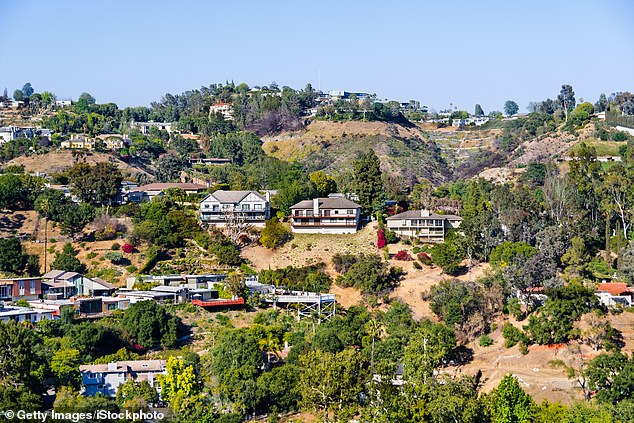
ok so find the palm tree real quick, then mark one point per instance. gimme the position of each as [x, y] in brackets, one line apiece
[45, 211]
[373, 328]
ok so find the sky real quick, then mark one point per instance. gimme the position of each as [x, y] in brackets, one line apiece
[440, 53]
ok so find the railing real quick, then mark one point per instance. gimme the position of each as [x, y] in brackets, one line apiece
[219, 303]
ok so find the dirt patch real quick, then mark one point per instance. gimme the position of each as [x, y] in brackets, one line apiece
[59, 160]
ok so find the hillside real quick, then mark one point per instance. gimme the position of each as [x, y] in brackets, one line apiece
[59, 160]
[407, 152]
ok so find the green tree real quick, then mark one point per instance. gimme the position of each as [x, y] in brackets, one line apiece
[169, 167]
[331, 381]
[324, 184]
[510, 404]
[430, 346]
[511, 107]
[27, 90]
[65, 366]
[275, 234]
[367, 181]
[99, 183]
[509, 253]
[179, 383]
[132, 390]
[20, 364]
[566, 99]
[12, 257]
[67, 261]
[612, 375]
[449, 254]
[478, 110]
[150, 325]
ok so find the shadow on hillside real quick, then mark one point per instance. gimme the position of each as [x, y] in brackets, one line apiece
[11, 222]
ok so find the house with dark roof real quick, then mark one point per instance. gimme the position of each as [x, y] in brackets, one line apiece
[222, 206]
[423, 224]
[59, 284]
[149, 191]
[325, 216]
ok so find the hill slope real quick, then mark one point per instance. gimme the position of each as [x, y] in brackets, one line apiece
[333, 146]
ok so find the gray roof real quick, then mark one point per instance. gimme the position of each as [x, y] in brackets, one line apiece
[234, 196]
[170, 289]
[103, 283]
[328, 203]
[60, 275]
[418, 214]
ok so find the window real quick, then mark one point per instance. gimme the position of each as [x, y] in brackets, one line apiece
[403, 222]
[216, 208]
[326, 212]
[309, 212]
[350, 211]
[206, 206]
[32, 287]
[336, 212]
[438, 222]
[22, 288]
[246, 207]
[257, 207]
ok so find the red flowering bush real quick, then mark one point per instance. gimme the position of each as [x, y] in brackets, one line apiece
[381, 241]
[127, 248]
[403, 256]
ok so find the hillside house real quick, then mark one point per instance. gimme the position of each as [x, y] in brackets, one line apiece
[423, 224]
[78, 144]
[145, 127]
[23, 314]
[217, 208]
[15, 289]
[325, 216]
[149, 191]
[612, 294]
[225, 109]
[106, 378]
[59, 284]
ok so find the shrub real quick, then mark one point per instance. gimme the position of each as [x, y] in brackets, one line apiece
[274, 234]
[113, 256]
[128, 248]
[424, 258]
[52, 240]
[391, 237]
[115, 246]
[381, 242]
[403, 256]
[342, 262]
[417, 265]
[91, 255]
[619, 136]
[131, 269]
[511, 334]
[485, 341]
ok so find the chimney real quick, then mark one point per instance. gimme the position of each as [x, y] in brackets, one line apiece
[316, 206]
[112, 367]
[424, 213]
[267, 195]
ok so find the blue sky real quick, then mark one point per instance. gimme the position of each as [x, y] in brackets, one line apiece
[461, 52]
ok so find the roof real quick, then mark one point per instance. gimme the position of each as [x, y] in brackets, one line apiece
[60, 274]
[614, 288]
[418, 214]
[56, 283]
[328, 203]
[166, 185]
[170, 289]
[234, 196]
[103, 283]
[135, 366]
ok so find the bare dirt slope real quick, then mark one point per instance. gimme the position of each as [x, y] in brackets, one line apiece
[60, 160]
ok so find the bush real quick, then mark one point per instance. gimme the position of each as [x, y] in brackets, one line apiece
[131, 269]
[342, 262]
[91, 255]
[403, 256]
[381, 241]
[424, 258]
[128, 248]
[391, 237]
[417, 265]
[113, 256]
[485, 341]
[511, 334]
[275, 234]
[115, 246]
[619, 136]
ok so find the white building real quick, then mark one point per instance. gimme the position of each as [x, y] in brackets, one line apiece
[325, 216]
[225, 109]
[217, 208]
[106, 378]
[424, 225]
[23, 314]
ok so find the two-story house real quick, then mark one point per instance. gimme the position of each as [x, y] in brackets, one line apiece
[423, 224]
[221, 206]
[59, 284]
[325, 216]
[106, 378]
[14, 289]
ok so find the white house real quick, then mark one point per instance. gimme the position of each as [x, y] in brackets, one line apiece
[424, 225]
[225, 109]
[23, 314]
[325, 216]
[217, 208]
[106, 378]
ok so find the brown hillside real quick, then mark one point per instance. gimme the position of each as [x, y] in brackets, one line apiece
[60, 160]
